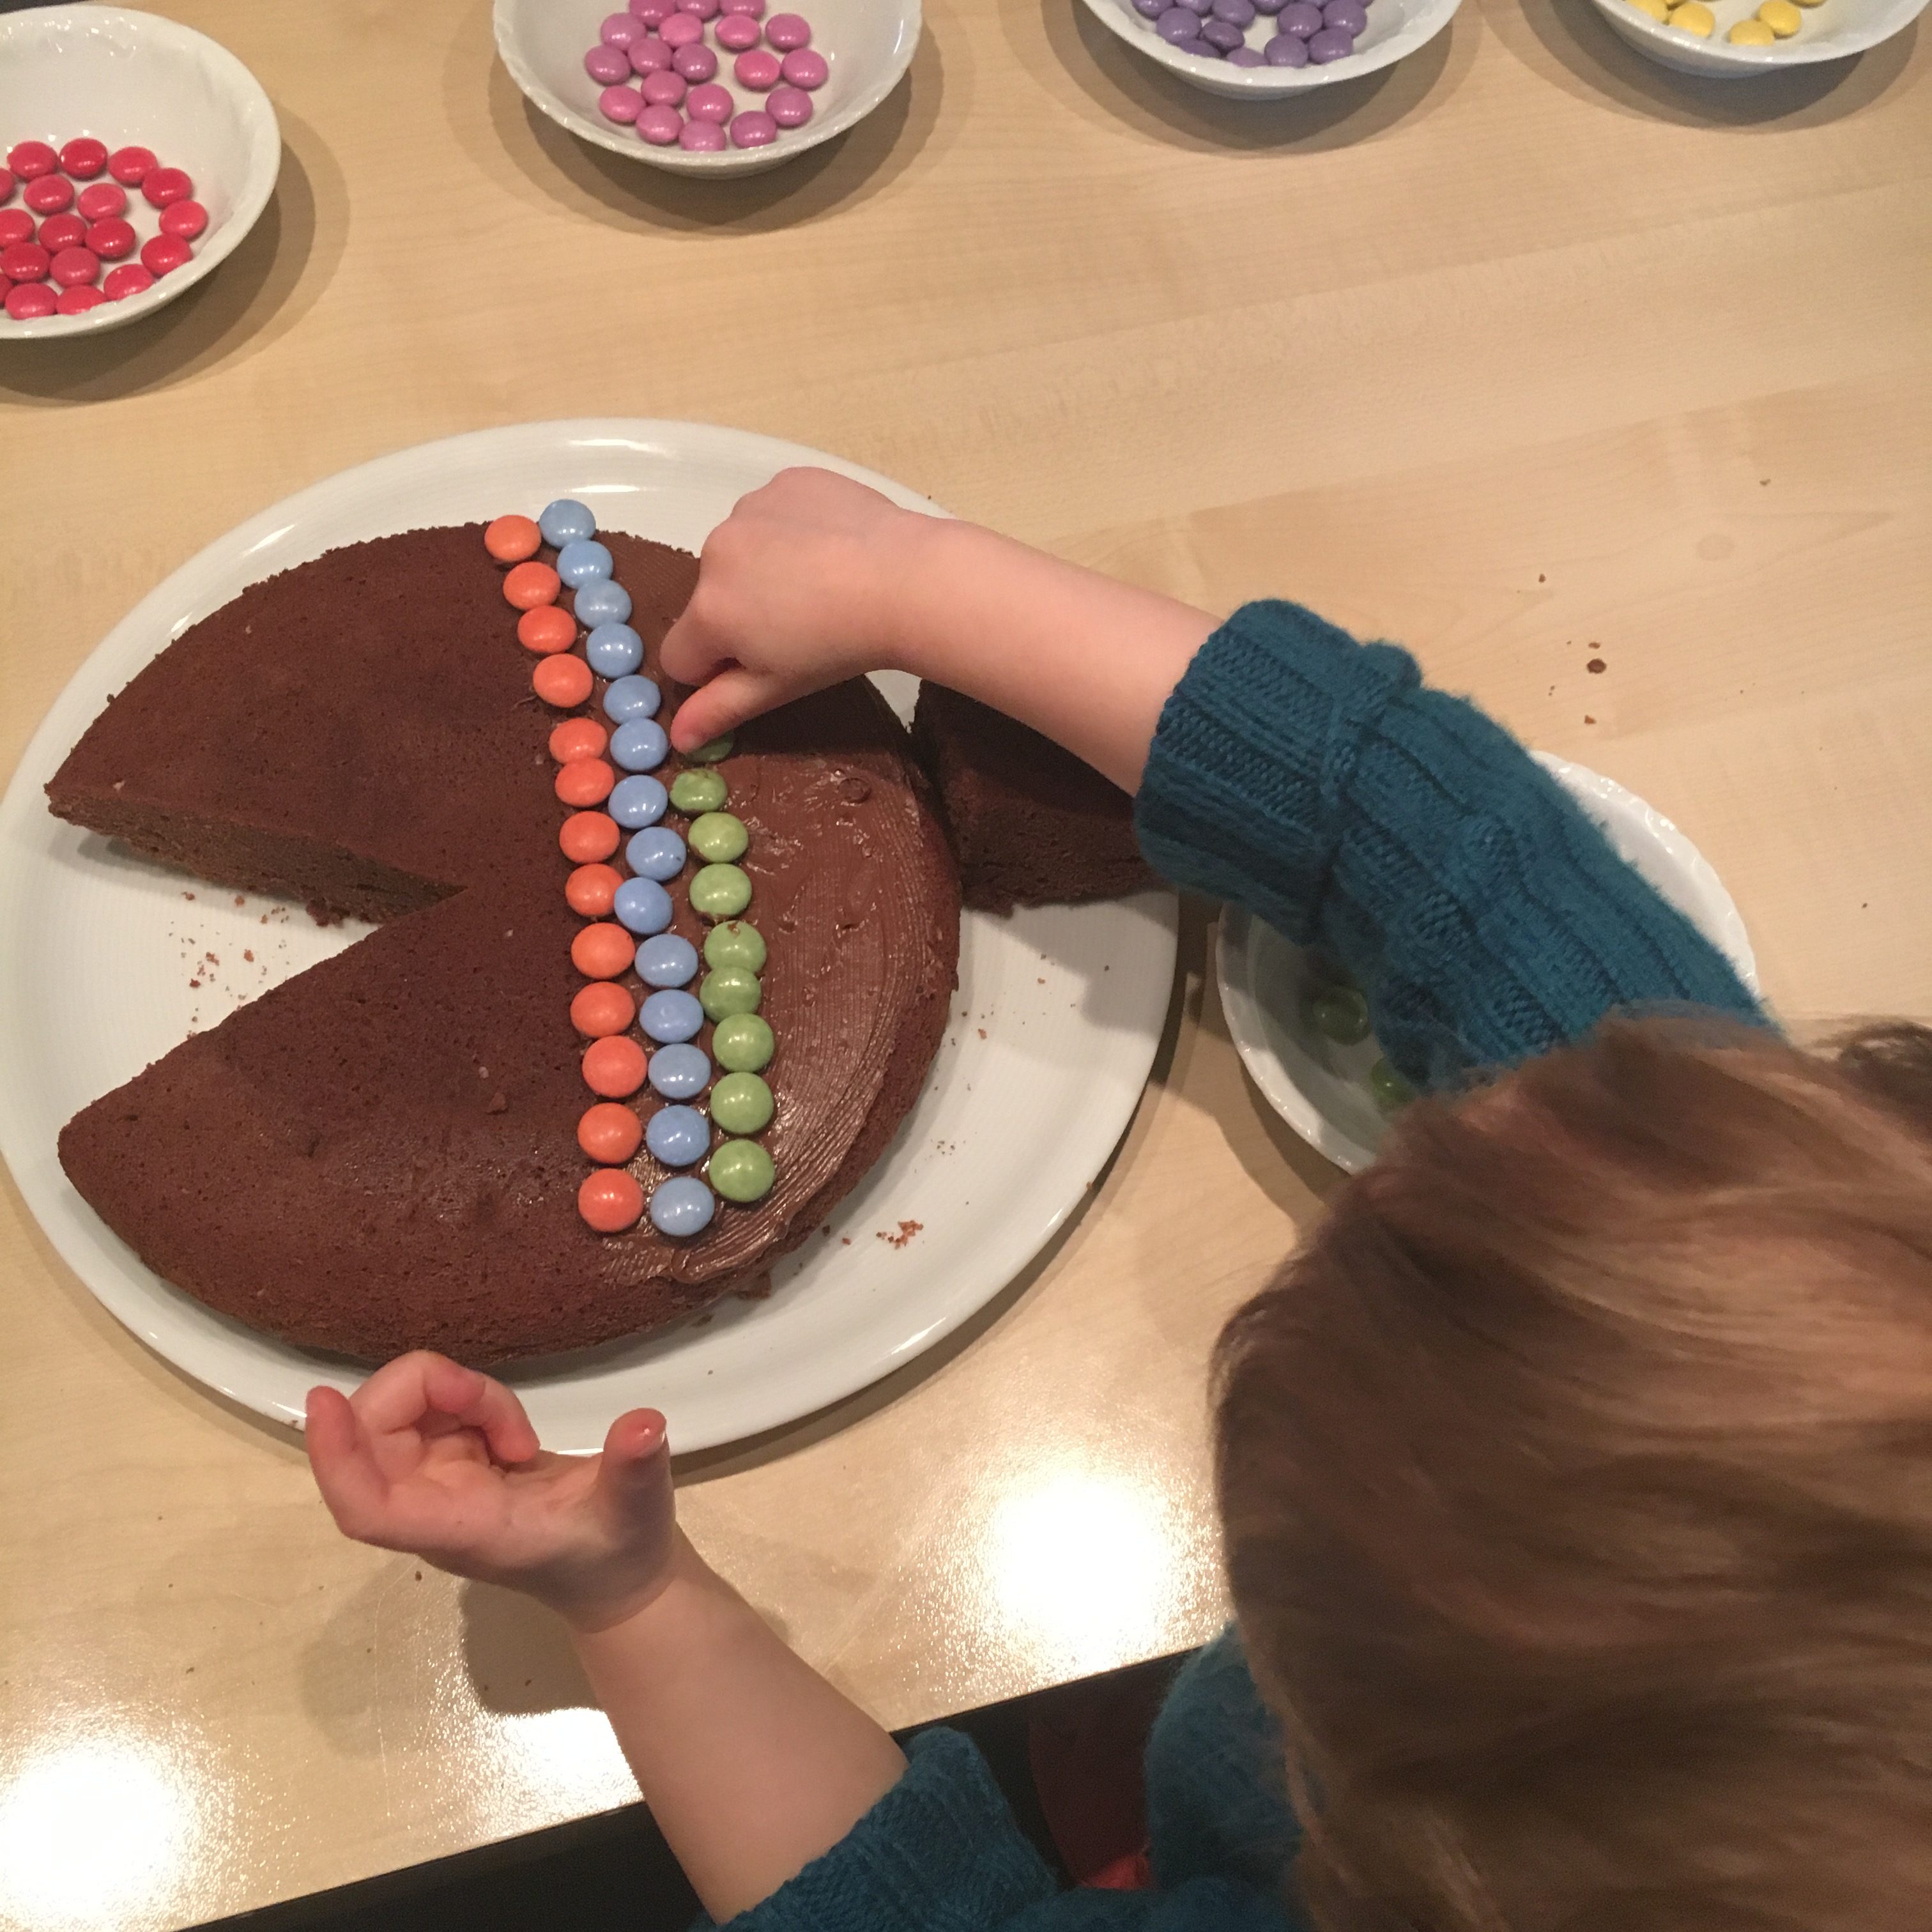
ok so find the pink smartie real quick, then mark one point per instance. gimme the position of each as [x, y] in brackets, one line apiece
[754, 129]
[660, 126]
[756, 71]
[805, 67]
[789, 106]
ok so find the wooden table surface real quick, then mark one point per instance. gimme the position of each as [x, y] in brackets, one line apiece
[1524, 352]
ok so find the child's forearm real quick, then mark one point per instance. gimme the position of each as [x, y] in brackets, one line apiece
[1029, 635]
[752, 1765]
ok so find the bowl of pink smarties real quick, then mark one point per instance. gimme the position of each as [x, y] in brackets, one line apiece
[707, 87]
[159, 146]
[1263, 49]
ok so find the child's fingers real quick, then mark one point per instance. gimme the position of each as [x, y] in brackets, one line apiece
[345, 1471]
[402, 1394]
[724, 703]
[481, 1402]
[692, 651]
[635, 1471]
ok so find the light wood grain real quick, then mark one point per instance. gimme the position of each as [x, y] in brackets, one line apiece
[1525, 353]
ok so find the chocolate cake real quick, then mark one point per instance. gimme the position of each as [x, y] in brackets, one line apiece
[1029, 823]
[380, 1154]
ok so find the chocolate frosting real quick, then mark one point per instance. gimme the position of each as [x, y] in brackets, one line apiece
[380, 1154]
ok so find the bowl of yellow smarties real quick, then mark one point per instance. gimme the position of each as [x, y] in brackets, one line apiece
[1731, 39]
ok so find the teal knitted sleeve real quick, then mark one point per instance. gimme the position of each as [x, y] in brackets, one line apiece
[940, 1853]
[1320, 784]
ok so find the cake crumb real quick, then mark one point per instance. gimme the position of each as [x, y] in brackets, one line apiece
[981, 1031]
[1595, 665]
[500, 1103]
[240, 898]
[1588, 719]
[187, 895]
[844, 1240]
[247, 954]
[906, 1231]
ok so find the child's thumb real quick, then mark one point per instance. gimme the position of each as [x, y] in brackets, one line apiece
[635, 1471]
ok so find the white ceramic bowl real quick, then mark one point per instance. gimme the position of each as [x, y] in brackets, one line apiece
[1321, 1089]
[132, 79]
[1832, 31]
[1396, 28]
[868, 44]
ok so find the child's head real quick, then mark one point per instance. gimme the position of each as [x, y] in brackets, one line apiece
[1576, 1477]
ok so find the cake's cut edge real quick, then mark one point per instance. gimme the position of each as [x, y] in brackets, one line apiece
[1028, 823]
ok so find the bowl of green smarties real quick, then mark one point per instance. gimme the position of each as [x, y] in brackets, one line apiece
[1303, 1030]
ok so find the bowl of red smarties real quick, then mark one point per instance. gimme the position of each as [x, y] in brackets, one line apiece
[135, 154]
[707, 87]
[1263, 49]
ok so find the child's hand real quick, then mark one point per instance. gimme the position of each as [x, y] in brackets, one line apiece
[800, 587]
[433, 1458]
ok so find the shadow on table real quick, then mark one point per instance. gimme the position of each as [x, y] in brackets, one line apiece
[272, 280]
[529, 154]
[1110, 80]
[518, 1655]
[1569, 43]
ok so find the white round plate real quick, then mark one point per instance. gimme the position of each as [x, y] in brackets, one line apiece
[1833, 31]
[1320, 1089]
[135, 79]
[868, 44]
[1056, 1021]
[1396, 28]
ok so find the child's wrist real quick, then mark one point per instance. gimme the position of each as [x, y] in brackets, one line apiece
[925, 571]
[592, 1615]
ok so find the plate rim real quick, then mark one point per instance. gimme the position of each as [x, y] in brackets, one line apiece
[1008, 1246]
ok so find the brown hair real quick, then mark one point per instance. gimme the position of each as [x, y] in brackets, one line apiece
[1577, 1481]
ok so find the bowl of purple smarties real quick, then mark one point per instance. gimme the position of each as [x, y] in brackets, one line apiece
[707, 87]
[1262, 49]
